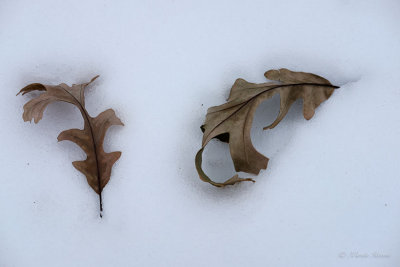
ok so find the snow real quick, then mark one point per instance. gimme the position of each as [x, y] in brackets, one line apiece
[328, 198]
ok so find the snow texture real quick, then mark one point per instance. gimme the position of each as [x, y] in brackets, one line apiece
[330, 196]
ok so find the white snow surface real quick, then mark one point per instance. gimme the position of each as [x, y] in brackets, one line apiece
[330, 195]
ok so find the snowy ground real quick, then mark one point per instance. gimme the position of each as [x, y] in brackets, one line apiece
[330, 196]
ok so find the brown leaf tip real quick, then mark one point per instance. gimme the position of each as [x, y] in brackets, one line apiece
[94, 78]
[272, 75]
[32, 87]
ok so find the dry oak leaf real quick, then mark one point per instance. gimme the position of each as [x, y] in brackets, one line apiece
[231, 122]
[98, 164]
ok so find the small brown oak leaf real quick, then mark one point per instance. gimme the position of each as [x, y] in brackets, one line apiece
[231, 122]
[98, 164]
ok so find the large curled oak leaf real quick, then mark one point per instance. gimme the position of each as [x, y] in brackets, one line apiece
[231, 122]
[97, 166]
